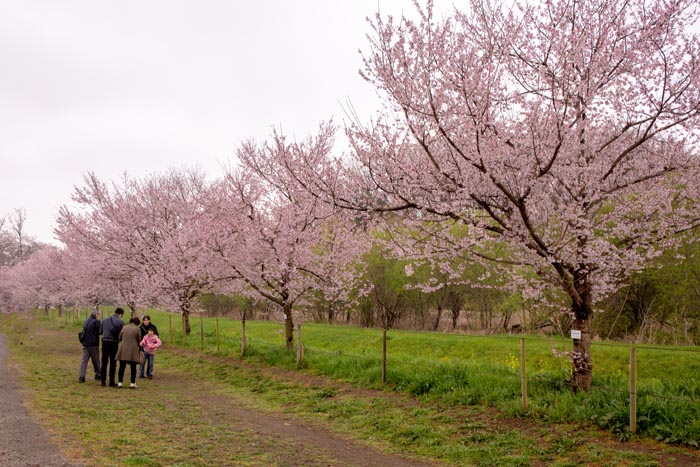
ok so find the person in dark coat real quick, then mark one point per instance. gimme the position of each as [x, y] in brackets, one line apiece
[146, 324]
[129, 351]
[111, 327]
[91, 345]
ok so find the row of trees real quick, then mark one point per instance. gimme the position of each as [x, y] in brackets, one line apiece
[551, 147]
[657, 305]
[16, 245]
[168, 238]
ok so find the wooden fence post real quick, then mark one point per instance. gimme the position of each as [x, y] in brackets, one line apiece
[523, 374]
[217, 335]
[243, 338]
[633, 390]
[300, 346]
[201, 333]
[383, 356]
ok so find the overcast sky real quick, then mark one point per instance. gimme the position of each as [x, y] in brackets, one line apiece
[143, 86]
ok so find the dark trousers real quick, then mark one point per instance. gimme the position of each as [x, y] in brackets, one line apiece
[122, 367]
[109, 355]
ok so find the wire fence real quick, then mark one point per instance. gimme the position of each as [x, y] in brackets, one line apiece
[531, 372]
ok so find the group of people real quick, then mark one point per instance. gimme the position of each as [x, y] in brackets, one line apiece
[134, 344]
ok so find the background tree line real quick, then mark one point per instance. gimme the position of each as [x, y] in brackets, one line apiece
[660, 304]
[16, 244]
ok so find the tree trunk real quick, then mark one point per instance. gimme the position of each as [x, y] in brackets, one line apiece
[506, 320]
[132, 308]
[186, 321]
[288, 327]
[436, 323]
[582, 367]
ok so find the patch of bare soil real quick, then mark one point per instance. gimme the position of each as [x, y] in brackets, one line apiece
[23, 443]
[312, 446]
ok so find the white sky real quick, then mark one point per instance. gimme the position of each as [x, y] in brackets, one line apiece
[143, 86]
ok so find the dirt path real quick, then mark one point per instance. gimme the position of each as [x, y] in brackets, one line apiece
[299, 443]
[285, 440]
[23, 443]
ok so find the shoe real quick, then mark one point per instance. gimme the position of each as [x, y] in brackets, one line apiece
[81, 380]
[141, 376]
[132, 386]
[119, 384]
[103, 383]
[98, 377]
[112, 385]
[150, 376]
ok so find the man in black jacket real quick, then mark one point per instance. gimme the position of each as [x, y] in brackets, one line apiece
[91, 345]
[111, 327]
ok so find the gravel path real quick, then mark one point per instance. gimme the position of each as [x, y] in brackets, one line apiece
[23, 442]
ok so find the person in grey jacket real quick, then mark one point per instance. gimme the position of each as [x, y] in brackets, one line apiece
[111, 328]
[91, 345]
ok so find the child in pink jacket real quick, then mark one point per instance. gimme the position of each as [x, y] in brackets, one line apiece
[150, 343]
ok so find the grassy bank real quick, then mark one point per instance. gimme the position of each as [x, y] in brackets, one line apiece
[458, 370]
[482, 370]
[186, 417]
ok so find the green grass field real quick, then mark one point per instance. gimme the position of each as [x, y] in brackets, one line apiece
[460, 370]
[195, 394]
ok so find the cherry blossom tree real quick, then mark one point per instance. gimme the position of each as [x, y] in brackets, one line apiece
[37, 280]
[147, 236]
[99, 235]
[280, 242]
[173, 236]
[563, 133]
[87, 273]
